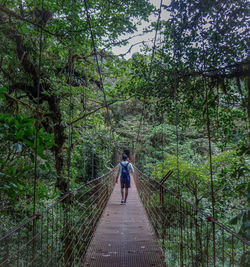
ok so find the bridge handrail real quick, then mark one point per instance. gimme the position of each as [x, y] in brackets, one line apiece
[208, 217]
[60, 233]
[60, 199]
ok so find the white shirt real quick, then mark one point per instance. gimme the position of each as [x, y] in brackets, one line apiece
[124, 163]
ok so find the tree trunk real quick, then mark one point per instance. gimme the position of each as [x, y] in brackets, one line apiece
[62, 182]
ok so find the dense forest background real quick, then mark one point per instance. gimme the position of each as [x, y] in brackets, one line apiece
[68, 105]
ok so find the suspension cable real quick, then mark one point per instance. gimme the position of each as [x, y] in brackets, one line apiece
[176, 115]
[37, 112]
[156, 31]
[98, 67]
[150, 71]
[209, 144]
[70, 77]
[177, 147]
[36, 137]
[162, 115]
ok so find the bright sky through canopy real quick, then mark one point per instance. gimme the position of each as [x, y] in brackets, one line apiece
[136, 42]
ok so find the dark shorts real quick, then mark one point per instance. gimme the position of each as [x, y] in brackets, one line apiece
[125, 184]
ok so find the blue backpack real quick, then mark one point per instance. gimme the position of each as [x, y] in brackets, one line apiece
[125, 177]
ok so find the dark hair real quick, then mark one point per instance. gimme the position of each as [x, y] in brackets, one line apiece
[124, 156]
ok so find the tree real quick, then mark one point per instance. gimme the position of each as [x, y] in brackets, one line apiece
[43, 43]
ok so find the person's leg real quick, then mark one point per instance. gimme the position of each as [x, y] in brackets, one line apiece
[126, 194]
[122, 192]
[127, 186]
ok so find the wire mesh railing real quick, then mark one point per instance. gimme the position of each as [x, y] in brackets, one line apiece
[58, 236]
[185, 232]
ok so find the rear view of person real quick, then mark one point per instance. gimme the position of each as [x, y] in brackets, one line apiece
[125, 169]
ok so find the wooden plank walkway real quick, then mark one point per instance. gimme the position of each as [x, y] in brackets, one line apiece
[124, 235]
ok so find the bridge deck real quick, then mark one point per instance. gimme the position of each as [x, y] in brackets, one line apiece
[124, 236]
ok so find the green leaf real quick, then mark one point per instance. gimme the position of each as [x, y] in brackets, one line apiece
[2, 91]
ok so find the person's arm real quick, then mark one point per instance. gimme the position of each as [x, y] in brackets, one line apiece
[117, 173]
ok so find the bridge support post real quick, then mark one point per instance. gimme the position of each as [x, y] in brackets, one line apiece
[163, 180]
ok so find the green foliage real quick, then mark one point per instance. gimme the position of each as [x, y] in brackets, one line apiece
[18, 138]
[21, 131]
[231, 172]
[64, 29]
[204, 48]
[242, 221]
[231, 185]
[2, 90]
[192, 179]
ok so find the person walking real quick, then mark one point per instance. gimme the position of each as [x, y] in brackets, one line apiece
[124, 170]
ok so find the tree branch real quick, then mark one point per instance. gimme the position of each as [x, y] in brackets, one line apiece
[13, 14]
[231, 75]
[124, 41]
[91, 112]
[129, 50]
[216, 73]
[22, 103]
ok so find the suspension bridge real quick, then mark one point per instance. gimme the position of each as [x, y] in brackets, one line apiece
[89, 227]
